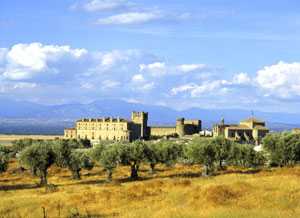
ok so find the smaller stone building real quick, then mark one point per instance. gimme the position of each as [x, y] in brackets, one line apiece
[110, 129]
[183, 127]
[250, 130]
[295, 130]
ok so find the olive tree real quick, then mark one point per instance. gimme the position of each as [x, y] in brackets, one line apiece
[153, 153]
[202, 151]
[38, 156]
[66, 156]
[19, 145]
[170, 152]
[3, 161]
[283, 148]
[109, 160]
[132, 155]
[79, 160]
[5, 154]
[222, 148]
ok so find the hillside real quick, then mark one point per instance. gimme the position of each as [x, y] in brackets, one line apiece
[171, 192]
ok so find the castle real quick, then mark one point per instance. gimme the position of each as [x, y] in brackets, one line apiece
[111, 129]
[250, 130]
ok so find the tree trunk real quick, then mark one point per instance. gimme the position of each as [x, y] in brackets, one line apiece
[76, 174]
[152, 168]
[108, 176]
[220, 165]
[207, 170]
[134, 171]
[43, 177]
[33, 172]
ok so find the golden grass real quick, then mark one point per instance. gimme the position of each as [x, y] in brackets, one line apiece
[6, 139]
[171, 192]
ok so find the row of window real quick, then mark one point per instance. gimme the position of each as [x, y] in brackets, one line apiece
[106, 137]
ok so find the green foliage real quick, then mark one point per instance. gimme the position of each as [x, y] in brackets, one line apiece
[132, 155]
[170, 152]
[109, 160]
[19, 145]
[201, 151]
[62, 151]
[85, 143]
[38, 156]
[3, 161]
[73, 143]
[77, 161]
[249, 157]
[283, 148]
[95, 153]
[222, 147]
[66, 156]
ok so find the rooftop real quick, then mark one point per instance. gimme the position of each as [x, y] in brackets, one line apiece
[252, 119]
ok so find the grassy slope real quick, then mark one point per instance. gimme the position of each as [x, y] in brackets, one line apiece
[171, 192]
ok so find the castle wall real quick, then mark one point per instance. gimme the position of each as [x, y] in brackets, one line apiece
[161, 131]
[196, 126]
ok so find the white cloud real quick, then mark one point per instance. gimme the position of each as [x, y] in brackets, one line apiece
[22, 85]
[109, 84]
[147, 87]
[131, 100]
[280, 80]
[190, 67]
[241, 78]
[51, 74]
[24, 61]
[185, 87]
[103, 5]
[138, 78]
[130, 18]
[207, 88]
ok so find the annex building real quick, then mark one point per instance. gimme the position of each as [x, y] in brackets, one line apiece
[117, 129]
[251, 130]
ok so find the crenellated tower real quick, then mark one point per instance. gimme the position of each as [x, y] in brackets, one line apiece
[142, 119]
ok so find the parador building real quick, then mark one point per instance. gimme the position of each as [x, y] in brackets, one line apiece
[117, 129]
[250, 130]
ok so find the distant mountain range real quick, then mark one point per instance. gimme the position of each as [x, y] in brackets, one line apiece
[158, 115]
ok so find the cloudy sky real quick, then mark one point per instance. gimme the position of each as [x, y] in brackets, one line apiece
[181, 54]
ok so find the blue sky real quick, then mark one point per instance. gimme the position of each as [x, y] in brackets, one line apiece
[206, 54]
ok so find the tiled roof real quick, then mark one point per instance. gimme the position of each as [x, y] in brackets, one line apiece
[241, 127]
[252, 119]
[260, 128]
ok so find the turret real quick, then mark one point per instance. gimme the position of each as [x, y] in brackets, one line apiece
[180, 127]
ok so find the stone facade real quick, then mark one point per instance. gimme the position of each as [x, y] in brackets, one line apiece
[295, 130]
[251, 130]
[111, 129]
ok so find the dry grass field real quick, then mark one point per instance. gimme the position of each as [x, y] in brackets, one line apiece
[6, 139]
[171, 192]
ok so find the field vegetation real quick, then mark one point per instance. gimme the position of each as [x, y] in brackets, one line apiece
[205, 178]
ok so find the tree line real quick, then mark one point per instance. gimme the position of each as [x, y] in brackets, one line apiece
[37, 155]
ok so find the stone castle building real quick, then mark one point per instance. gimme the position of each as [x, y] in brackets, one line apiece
[295, 130]
[250, 130]
[110, 129]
